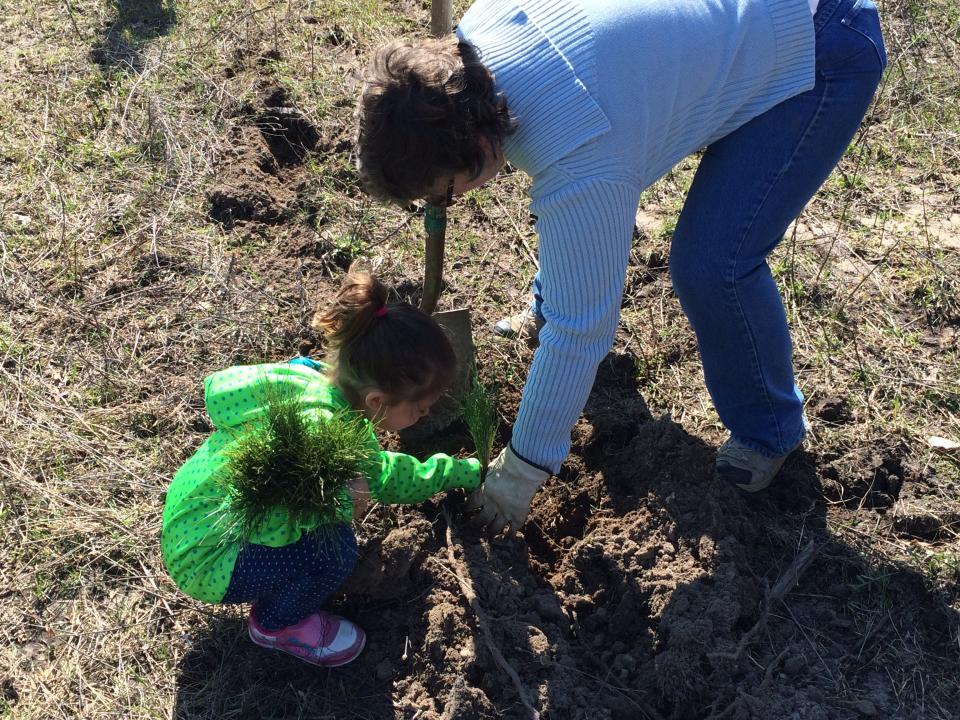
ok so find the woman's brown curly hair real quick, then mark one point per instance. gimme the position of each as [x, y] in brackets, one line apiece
[425, 106]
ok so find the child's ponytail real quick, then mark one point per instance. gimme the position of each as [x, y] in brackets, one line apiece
[396, 349]
[361, 299]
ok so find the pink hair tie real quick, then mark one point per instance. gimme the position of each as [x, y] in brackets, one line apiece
[381, 312]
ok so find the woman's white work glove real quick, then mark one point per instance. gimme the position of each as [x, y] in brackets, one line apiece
[504, 498]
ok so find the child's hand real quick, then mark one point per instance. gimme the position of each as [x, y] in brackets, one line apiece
[360, 494]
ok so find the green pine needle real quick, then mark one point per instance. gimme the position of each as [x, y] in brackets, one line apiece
[479, 412]
[292, 461]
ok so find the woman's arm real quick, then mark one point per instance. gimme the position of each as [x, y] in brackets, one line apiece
[585, 235]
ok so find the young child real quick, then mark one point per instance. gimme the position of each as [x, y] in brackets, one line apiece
[391, 364]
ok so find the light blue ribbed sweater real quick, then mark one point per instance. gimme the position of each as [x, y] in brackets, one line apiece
[608, 96]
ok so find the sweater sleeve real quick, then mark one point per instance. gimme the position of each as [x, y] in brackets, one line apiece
[585, 231]
[401, 479]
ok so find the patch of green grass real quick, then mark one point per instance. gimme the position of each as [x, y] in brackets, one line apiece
[943, 568]
[10, 344]
[947, 470]
[667, 228]
[938, 296]
[349, 247]
[908, 338]
[865, 376]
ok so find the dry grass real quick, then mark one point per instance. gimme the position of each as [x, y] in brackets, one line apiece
[120, 295]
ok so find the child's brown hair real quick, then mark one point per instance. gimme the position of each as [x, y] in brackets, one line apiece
[424, 109]
[396, 349]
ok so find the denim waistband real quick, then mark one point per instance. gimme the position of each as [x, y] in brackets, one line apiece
[826, 10]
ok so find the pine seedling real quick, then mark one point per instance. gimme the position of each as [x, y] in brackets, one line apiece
[479, 412]
[293, 460]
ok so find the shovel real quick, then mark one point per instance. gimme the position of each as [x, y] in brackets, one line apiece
[456, 323]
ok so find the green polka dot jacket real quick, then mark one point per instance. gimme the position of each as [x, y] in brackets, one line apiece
[197, 553]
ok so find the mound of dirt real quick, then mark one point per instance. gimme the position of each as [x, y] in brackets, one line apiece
[639, 590]
[259, 178]
[869, 476]
[389, 564]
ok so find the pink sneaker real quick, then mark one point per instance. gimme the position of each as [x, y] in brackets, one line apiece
[320, 639]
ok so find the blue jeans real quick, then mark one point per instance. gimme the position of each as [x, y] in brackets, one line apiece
[748, 188]
[286, 584]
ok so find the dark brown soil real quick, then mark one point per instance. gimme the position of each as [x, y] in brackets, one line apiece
[635, 588]
[633, 594]
[638, 589]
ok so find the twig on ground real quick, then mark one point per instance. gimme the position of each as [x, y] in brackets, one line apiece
[466, 587]
[787, 581]
[768, 673]
[791, 576]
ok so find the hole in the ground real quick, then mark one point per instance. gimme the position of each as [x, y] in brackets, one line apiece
[558, 526]
[230, 204]
[288, 133]
[871, 477]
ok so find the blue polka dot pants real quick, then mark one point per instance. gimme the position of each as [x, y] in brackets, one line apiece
[286, 584]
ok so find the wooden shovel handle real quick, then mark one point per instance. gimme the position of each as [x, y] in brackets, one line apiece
[435, 218]
[441, 17]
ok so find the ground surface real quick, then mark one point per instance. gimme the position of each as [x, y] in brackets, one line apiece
[178, 194]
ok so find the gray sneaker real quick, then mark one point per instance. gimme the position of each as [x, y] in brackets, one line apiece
[747, 469]
[524, 326]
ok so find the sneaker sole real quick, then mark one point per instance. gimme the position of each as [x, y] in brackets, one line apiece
[751, 488]
[755, 486]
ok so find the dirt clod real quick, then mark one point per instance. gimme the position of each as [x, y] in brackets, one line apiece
[833, 410]
[926, 518]
[388, 564]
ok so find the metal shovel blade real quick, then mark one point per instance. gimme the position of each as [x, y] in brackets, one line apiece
[459, 329]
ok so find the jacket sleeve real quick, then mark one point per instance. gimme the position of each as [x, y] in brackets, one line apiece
[400, 479]
[585, 231]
